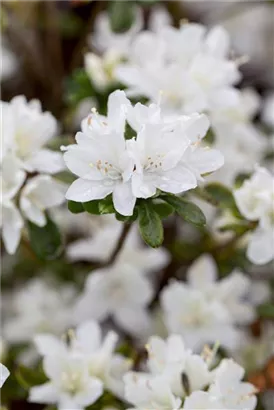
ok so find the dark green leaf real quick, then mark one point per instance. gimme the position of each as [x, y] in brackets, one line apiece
[187, 210]
[163, 209]
[28, 377]
[45, 241]
[238, 228]
[92, 207]
[210, 137]
[150, 225]
[121, 15]
[266, 311]
[75, 207]
[106, 206]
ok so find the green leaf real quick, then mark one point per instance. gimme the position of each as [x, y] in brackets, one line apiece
[238, 228]
[163, 209]
[28, 377]
[187, 210]
[266, 310]
[45, 241]
[92, 207]
[150, 225]
[221, 195]
[210, 137]
[106, 206]
[75, 207]
[121, 15]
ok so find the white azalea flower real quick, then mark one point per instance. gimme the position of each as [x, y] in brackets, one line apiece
[159, 18]
[153, 394]
[231, 115]
[186, 64]
[38, 307]
[119, 291]
[188, 312]
[26, 129]
[4, 374]
[87, 342]
[206, 310]
[40, 193]
[164, 155]
[229, 389]
[171, 359]
[101, 244]
[255, 200]
[70, 386]
[100, 159]
[12, 179]
[231, 291]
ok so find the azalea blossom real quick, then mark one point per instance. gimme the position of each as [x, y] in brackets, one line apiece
[119, 291]
[255, 200]
[87, 344]
[165, 155]
[70, 386]
[204, 310]
[38, 307]
[186, 64]
[4, 374]
[37, 195]
[175, 373]
[26, 129]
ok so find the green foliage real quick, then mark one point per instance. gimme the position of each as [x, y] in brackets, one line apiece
[121, 15]
[210, 137]
[106, 206]
[78, 87]
[150, 225]
[131, 218]
[92, 207]
[29, 377]
[163, 209]
[75, 207]
[187, 210]
[45, 241]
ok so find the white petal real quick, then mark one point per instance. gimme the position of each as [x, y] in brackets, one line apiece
[261, 247]
[176, 180]
[49, 345]
[12, 176]
[117, 107]
[4, 374]
[47, 161]
[88, 336]
[83, 190]
[32, 212]
[94, 390]
[45, 393]
[217, 42]
[204, 160]
[135, 320]
[12, 225]
[203, 272]
[123, 199]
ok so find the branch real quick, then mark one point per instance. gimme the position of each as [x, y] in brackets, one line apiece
[119, 245]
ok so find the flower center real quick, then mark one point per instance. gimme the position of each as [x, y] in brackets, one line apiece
[72, 381]
[154, 164]
[107, 169]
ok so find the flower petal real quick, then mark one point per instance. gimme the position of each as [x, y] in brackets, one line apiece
[83, 190]
[123, 199]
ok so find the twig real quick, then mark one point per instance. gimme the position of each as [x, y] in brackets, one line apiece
[119, 245]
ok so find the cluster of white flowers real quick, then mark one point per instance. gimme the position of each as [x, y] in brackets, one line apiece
[179, 379]
[205, 310]
[164, 155]
[25, 131]
[80, 370]
[255, 200]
